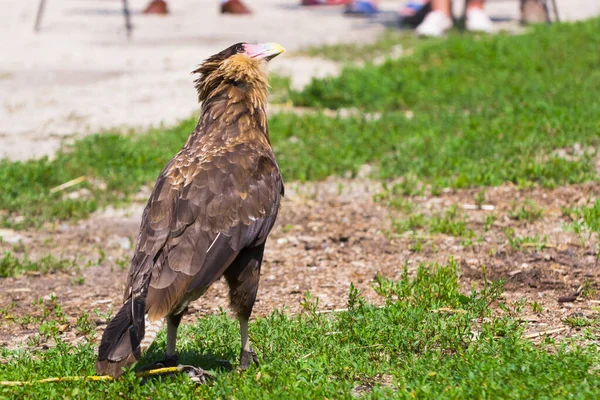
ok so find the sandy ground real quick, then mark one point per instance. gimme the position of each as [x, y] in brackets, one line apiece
[80, 74]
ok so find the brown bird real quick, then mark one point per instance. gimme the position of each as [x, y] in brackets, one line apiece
[209, 215]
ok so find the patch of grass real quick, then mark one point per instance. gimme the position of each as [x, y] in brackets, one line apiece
[11, 266]
[116, 166]
[579, 321]
[280, 88]
[517, 242]
[474, 101]
[528, 211]
[412, 223]
[385, 44]
[537, 307]
[450, 222]
[429, 340]
[584, 218]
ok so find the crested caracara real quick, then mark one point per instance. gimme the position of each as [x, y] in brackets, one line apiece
[209, 215]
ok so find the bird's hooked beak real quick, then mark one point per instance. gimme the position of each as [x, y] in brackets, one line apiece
[263, 51]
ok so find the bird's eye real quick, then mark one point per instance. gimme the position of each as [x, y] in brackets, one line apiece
[240, 48]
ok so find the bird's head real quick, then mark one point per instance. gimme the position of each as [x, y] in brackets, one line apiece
[242, 65]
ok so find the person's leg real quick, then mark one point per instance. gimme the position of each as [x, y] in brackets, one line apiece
[234, 7]
[438, 21]
[443, 6]
[157, 7]
[477, 20]
[534, 12]
[476, 4]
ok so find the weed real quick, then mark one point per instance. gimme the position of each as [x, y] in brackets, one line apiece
[537, 307]
[576, 321]
[480, 198]
[11, 266]
[528, 211]
[412, 223]
[84, 325]
[450, 223]
[488, 222]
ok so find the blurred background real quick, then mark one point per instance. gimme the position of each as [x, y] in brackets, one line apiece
[81, 73]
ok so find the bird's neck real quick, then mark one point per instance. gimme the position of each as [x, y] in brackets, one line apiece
[243, 105]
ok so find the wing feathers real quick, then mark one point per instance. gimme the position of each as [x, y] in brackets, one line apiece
[199, 218]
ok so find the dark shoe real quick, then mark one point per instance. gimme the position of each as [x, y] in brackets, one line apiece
[157, 7]
[234, 7]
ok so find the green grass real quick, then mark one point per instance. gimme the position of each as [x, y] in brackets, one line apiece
[420, 344]
[11, 266]
[528, 211]
[450, 222]
[352, 52]
[483, 111]
[584, 218]
[117, 166]
[280, 90]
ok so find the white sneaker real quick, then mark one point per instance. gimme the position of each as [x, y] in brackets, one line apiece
[478, 21]
[435, 24]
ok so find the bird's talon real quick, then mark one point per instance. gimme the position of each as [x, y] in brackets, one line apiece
[247, 358]
[196, 374]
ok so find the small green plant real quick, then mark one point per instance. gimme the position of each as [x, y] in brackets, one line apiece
[84, 325]
[591, 217]
[480, 198]
[11, 266]
[78, 281]
[310, 303]
[488, 222]
[122, 262]
[408, 186]
[588, 291]
[537, 307]
[417, 245]
[516, 242]
[528, 211]
[451, 223]
[577, 321]
[412, 223]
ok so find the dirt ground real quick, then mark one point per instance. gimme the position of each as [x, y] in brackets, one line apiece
[328, 235]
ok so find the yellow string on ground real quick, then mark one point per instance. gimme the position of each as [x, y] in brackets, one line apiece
[142, 374]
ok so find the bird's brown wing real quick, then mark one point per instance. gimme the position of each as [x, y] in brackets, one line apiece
[198, 218]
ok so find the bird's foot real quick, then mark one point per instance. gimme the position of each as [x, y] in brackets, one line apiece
[196, 374]
[247, 358]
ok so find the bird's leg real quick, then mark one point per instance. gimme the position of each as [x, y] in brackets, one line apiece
[247, 355]
[242, 277]
[172, 325]
[170, 355]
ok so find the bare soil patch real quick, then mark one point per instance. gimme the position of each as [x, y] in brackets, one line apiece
[329, 235]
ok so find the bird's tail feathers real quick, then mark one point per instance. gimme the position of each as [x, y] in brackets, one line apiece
[122, 339]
